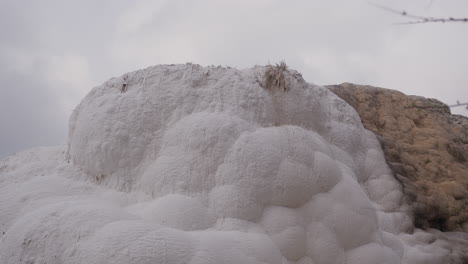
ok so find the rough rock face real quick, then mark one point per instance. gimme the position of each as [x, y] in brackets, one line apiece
[426, 147]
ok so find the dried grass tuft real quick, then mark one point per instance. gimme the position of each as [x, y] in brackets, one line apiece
[274, 79]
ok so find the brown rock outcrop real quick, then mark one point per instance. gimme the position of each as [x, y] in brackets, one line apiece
[426, 147]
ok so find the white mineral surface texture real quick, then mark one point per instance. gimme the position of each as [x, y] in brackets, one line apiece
[202, 165]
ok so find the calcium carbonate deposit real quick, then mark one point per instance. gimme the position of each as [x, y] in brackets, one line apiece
[199, 165]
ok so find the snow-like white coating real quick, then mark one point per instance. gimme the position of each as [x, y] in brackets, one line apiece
[207, 165]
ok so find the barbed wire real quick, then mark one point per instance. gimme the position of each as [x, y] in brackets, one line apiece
[459, 104]
[419, 19]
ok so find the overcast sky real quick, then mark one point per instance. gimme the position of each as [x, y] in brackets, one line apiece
[52, 52]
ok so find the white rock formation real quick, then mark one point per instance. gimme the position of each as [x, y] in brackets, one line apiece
[209, 165]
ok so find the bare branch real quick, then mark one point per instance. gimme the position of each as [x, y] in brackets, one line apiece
[415, 19]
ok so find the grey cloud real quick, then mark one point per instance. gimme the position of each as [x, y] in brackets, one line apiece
[29, 116]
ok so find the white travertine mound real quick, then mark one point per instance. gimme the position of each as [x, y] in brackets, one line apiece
[210, 165]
